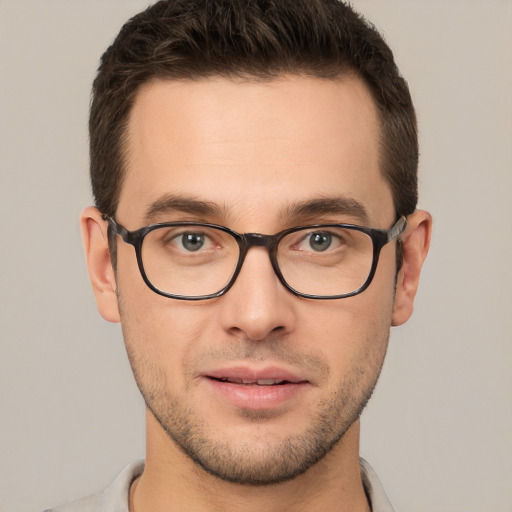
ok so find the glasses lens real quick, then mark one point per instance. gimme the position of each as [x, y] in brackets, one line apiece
[189, 260]
[325, 261]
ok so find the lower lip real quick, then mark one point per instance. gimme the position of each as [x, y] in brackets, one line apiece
[247, 396]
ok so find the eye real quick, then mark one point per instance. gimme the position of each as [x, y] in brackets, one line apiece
[191, 241]
[317, 241]
[187, 241]
[320, 241]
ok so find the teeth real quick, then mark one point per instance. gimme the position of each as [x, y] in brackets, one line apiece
[268, 382]
[260, 382]
[234, 381]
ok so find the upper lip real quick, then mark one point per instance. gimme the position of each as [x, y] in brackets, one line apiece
[247, 375]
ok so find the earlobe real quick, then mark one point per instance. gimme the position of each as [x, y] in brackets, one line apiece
[97, 254]
[415, 244]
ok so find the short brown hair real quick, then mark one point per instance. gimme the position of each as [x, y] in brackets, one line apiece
[191, 39]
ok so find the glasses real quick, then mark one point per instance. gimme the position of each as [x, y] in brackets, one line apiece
[195, 261]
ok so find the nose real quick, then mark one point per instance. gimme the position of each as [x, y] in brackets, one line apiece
[257, 305]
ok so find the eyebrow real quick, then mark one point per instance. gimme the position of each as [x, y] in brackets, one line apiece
[337, 205]
[171, 203]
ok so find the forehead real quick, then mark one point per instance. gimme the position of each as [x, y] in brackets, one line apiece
[253, 147]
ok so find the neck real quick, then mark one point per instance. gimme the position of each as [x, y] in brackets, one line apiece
[172, 481]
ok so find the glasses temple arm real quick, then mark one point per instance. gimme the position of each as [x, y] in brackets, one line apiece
[397, 229]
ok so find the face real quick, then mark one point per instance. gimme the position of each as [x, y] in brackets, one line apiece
[257, 385]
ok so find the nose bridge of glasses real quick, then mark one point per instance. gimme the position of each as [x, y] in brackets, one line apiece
[267, 242]
[257, 240]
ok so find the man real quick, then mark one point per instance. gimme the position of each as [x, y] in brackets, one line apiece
[254, 166]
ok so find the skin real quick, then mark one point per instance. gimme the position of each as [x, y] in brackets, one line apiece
[254, 149]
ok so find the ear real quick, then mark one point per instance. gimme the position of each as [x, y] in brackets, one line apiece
[415, 243]
[97, 254]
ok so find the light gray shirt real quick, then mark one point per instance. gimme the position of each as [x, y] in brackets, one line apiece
[115, 497]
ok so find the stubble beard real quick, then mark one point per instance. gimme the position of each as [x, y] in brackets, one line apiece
[258, 461]
[254, 464]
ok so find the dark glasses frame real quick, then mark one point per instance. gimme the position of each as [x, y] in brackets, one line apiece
[379, 237]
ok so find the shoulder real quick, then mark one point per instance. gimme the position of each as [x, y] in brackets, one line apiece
[113, 499]
[373, 488]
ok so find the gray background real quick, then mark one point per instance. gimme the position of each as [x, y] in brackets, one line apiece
[439, 429]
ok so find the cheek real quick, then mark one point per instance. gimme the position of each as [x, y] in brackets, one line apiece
[159, 333]
[160, 321]
[351, 333]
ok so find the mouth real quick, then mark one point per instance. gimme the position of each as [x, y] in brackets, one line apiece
[251, 382]
[245, 388]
